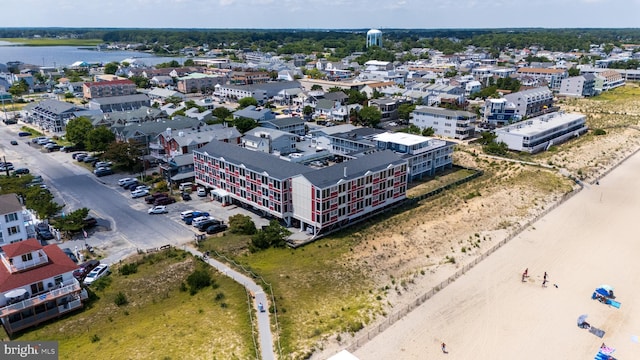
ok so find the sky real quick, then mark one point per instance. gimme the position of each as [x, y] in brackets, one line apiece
[327, 14]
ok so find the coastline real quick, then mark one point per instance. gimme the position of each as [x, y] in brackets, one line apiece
[453, 299]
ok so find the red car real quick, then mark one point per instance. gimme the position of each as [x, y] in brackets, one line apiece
[84, 269]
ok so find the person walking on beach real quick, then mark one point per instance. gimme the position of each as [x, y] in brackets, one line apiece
[525, 274]
[444, 348]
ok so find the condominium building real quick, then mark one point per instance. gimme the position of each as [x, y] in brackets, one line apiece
[499, 111]
[199, 82]
[100, 89]
[532, 102]
[540, 133]
[552, 76]
[444, 122]
[12, 222]
[579, 86]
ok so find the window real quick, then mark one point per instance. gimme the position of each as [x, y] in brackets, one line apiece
[27, 257]
[37, 288]
[11, 217]
[58, 279]
[13, 230]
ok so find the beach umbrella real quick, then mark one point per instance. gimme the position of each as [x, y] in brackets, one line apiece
[606, 287]
[602, 291]
[582, 318]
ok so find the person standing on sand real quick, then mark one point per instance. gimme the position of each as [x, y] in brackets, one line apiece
[444, 348]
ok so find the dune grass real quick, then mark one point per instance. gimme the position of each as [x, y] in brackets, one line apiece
[160, 320]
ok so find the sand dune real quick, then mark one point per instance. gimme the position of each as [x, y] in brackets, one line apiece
[489, 313]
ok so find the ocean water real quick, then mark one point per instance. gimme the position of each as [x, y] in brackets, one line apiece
[63, 56]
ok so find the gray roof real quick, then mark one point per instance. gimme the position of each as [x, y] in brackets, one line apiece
[355, 168]
[251, 112]
[336, 96]
[255, 160]
[205, 134]
[589, 76]
[154, 128]
[325, 104]
[55, 107]
[457, 114]
[120, 99]
[182, 160]
[9, 204]
[281, 122]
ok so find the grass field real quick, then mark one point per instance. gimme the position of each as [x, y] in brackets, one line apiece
[160, 321]
[53, 42]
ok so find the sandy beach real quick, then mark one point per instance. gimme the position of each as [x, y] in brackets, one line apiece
[489, 313]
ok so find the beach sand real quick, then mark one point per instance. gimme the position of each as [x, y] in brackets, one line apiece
[489, 313]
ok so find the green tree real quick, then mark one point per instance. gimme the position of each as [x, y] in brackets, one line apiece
[19, 88]
[175, 100]
[315, 74]
[356, 97]
[273, 235]
[189, 62]
[487, 137]
[141, 81]
[247, 101]
[241, 224]
[307, 110]
[405, 110]
[428, 131]
[316, 87]
[125, 155]
[244, 124]
[72, 222]
[41, 201]
[98, 139]
[221, 113]
[77, 130]
[413, 129]
[111, 68]
[574, 71]
[370, 116]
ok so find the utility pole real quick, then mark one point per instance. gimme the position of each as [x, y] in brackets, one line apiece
[6, 168]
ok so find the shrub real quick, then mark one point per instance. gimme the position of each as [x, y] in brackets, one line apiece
[219, 296]
[101, 283]
[95, 338]
[599, 132]
[241, 224]
[128, 269]
[198, 279]
[121, 299]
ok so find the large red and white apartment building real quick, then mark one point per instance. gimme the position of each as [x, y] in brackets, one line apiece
[101, 89]
[312, 199]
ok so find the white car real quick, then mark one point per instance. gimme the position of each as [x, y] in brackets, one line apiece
[123, 181]
[98, 272]
[202, 192]
[159, 209]
[139, 193]
[141, 187]
[199, 220]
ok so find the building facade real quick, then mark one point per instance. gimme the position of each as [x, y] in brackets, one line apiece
[540, 133]
[12, 221]
[100, 89]
[579, 86]
[499, 111]
[553, 77]
[532, 102]
[448, 123]
[198, 82]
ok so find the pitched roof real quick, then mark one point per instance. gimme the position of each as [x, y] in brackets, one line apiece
[255, 160]
[288, 121]
[332, 175]
[156, 127]
[21, 247]
[59, 263]
[120, 99]
[205, 134]
[54, 106]
[9, 204]
[109, 83]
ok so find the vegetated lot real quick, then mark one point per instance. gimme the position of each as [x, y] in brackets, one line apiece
[155, 318]
[53, 42]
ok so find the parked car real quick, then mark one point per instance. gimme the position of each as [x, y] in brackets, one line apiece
[123, 181]
[95, 274]
[186, 196]
[45, 235]
[37, 179]
[199, 220]
[102, 164]
[164, 201]
[202, 226]
[202, 192]
[13, 142]
[68, 148]
[89, 159]
[21, 171]
[216, 228]
[103, 172]
[43, 140]
[36, 139]
[84, 269]
[160, 209]
[75, 155]
[139, 193]
[140, 187]
[6, 166]
[152, 198]
[131, 185]
[188, 219]
[70, 254]
[80, 157]
[24, 133]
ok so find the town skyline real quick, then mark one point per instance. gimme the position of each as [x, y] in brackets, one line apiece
[346, 14]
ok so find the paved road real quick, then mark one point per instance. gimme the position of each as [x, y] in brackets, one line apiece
[264, 327]
[124, 223]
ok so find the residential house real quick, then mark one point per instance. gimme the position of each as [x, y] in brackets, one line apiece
[12, 220]
[499, 111]
[178, 169]
[161, 95]
[119, 103]
[444, 122]
[237, 92]
[373, 88]
[102, 89]
[162, 81]
[293, 125]
[251, 112]
[532, 102]
[146, 133]
[388, 107]
[36, 285]
[169, 144]
[539, 133]
[553, 77]
[270, 141]
[119, 118]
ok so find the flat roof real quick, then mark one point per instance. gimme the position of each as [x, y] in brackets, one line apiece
[401, 138]
[534, 126]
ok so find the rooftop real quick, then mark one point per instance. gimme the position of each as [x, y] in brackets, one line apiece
[536, 125]
[9, 204]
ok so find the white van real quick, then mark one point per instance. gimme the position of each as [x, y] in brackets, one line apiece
[186, 186]
[186, 214]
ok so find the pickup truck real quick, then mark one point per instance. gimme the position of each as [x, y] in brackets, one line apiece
[152, 198]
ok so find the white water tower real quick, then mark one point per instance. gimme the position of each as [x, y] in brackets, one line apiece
[374, 38]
